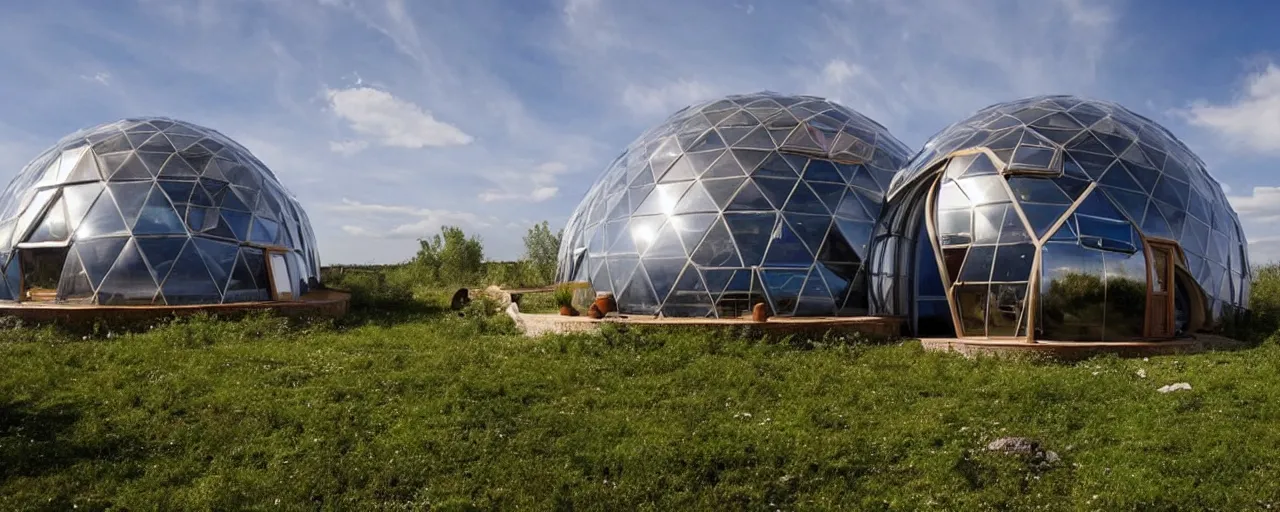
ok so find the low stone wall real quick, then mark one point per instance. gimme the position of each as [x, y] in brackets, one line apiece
[877, 327]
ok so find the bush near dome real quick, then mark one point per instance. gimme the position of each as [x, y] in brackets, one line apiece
[748, 198]
[150, 211]
[1049, 214]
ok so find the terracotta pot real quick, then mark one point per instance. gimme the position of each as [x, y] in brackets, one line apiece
[594, 312]
[605, 303]
[760, 312]
[568, 311]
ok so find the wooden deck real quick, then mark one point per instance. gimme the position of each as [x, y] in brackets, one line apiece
[317, 303]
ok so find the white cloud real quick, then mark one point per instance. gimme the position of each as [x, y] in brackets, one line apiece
[1250, 122]
[429, 220]
[391, 121]
[665, 99]
[348, 147]
[1263, 205]
[101, 77]
[536, 186]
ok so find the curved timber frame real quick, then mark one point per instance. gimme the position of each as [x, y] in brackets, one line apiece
[1198, 315]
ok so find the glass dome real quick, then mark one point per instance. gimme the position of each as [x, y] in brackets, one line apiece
[1059, 218]
[152, 211]
[749, 198]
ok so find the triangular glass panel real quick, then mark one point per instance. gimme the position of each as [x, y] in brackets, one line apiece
[232, 200]
[732, 135]
[1172, 191]
[238, 222]
[1118, 176]
[662, 273]
[857, 233]
[1155, 225]
[741, 118]
[663, 199]
[775, 166]
[1072, 187]
[666, 244]
[138, 139]
[717, 248]
[179, 192]
[722, 190]
[816, 297]
[265, 231]
[752, 231]
[158, 143]
[1043, 216]
[696, 200]
[213, 170]
[783, 287]
[710, 140]
[829, 193]
[153, 161]
[1132, 203]
[851, 208]
[787, 250]
[622, 270]
[638, 297]
[85, 170]
[160, 254]
[127, 167]
[53, 227]
[200, 197]
[190, 282]
[103, 219]
[1175, 216]
[129, 197]
[79, 198]
[129, 281]
[804, 200]
[681, 170]
[757, 139]
[182, 142]
[822, 170]
[112, 144]
[74, 282]
[723, 167]
[158, 217]
[177, 167]
[703, 161]
[1037, 190]
[776, 189]
[97, 255]
[716, 280]
[691, 228]
[750, 159]
[812, 229]
[801, 138]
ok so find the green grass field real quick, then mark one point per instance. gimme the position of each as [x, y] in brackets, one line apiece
[404, 406]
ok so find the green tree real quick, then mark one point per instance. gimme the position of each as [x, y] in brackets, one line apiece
[451, 257]
[540, 248]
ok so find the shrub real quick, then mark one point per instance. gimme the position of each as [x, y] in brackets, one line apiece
[563, 296]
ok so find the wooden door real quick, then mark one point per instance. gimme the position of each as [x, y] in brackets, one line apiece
[1160, 301]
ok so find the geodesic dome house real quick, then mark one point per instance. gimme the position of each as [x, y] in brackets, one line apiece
[749, 198]
[152, 211]
[1058, 218]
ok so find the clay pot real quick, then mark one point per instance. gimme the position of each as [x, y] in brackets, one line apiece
[605, 303]
[759, 312]
[594, 312]
[568, 311]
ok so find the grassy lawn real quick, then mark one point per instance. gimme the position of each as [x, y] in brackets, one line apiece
[427, 410]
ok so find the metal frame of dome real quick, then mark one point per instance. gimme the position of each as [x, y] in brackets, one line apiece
[1059, 218]
[155, 211]
[747, 198]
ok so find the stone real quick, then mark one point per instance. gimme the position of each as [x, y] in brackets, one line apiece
[1025, 447]
[513, 311]
[1179, 386]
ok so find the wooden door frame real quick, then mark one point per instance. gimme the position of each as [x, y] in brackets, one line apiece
[267, 252]
[1170, 288]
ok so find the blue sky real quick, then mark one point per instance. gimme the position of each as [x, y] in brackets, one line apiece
[388, 118]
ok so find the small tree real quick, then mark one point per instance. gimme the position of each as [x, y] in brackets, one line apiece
[540, 248]
[451, 258]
